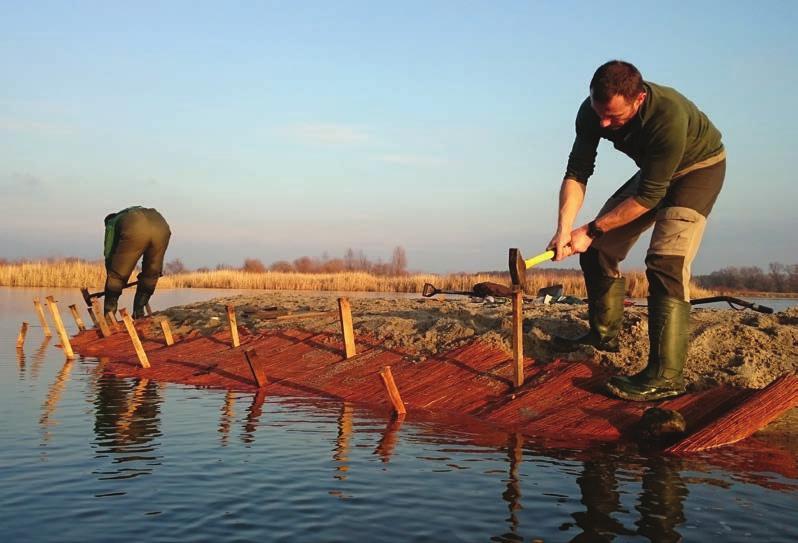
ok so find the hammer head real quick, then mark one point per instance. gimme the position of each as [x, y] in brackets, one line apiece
[517, 268]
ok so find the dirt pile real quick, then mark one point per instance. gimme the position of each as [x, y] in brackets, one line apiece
[741, 348]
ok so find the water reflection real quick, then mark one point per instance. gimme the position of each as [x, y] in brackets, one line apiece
[54, 392]
[661, 503]
[389, 438]
[512, 492]
[38, 357]
[227, 416]
[21, 362]
[341, 451]
[127, 421]
[252, 420]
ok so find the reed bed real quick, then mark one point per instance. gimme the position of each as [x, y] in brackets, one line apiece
[92, 275]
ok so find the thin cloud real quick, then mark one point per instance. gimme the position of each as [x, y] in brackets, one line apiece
[329, 134]
[20, 183]
[34, 127]
[410, 160]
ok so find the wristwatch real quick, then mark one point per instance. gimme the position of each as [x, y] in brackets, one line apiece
[593, 231]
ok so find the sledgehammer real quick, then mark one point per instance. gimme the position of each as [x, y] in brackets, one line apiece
[518, 265]
[86, 296]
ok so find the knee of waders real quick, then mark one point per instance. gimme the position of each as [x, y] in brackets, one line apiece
[114, 283]
[665, 274]
[589, 262]
[147, 283]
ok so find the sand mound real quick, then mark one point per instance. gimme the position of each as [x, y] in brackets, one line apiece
[741, 348]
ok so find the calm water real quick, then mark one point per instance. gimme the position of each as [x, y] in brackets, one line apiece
[88, 457]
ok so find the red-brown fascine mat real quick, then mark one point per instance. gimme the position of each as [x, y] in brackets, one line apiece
[561, 404]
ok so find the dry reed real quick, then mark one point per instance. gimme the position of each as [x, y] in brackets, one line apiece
[92, 275]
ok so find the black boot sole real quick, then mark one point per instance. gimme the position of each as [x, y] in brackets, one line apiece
[565, 345]
[653, 395]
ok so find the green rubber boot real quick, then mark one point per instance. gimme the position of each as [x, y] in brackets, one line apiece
[668, 322]
[111, 302]
[605, 314]
[140, 302]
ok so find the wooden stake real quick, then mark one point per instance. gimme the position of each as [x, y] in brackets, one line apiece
[111, 319]
[393, 392]
[231, 317]
[39, 311]
[134, 337]
[518, 338]
[256, 367]
[167, 332]
[23, 331]
[74, 310]
[105, 330]
[59, 325]
[345, 314]
[90, 310]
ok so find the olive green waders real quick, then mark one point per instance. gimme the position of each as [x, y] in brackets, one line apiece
[131, 234]
[679, 221]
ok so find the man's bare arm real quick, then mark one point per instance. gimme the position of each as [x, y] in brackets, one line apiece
[572, 195]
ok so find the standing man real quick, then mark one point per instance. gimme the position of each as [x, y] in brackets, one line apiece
[682, 164]
[129, 234]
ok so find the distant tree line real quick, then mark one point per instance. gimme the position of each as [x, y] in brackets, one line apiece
[778, 278]
[351, 262]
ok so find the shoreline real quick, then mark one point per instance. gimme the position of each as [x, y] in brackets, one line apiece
[739, 348]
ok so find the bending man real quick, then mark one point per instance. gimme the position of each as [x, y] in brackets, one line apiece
[682, 164]
[129, 234]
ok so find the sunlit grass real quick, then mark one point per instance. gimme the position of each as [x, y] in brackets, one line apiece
[92, 275]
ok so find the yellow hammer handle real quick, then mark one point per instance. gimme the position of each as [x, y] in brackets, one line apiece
[542, 257]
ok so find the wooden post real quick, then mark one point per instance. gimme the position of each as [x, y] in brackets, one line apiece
[23, 331]
[256, 368]
[90, 310]
[167, 332]
[231, 317]
[111, 319]
[39, 311]
[518, 338]
[59, 325]
[101, 322]
[393, 392]
[74, 310]
[134, 337]
[345, 314]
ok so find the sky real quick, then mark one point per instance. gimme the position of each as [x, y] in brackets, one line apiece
[275, 130]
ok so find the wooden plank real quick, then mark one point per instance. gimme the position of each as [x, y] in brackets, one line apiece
[345, 314]
[167, 332]
[134, 337]
[518, 338]
[40, 312]
[23, 331]
[231, 318]
[256, 367]
[78, 321]
[59, 326]
[393, 392]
